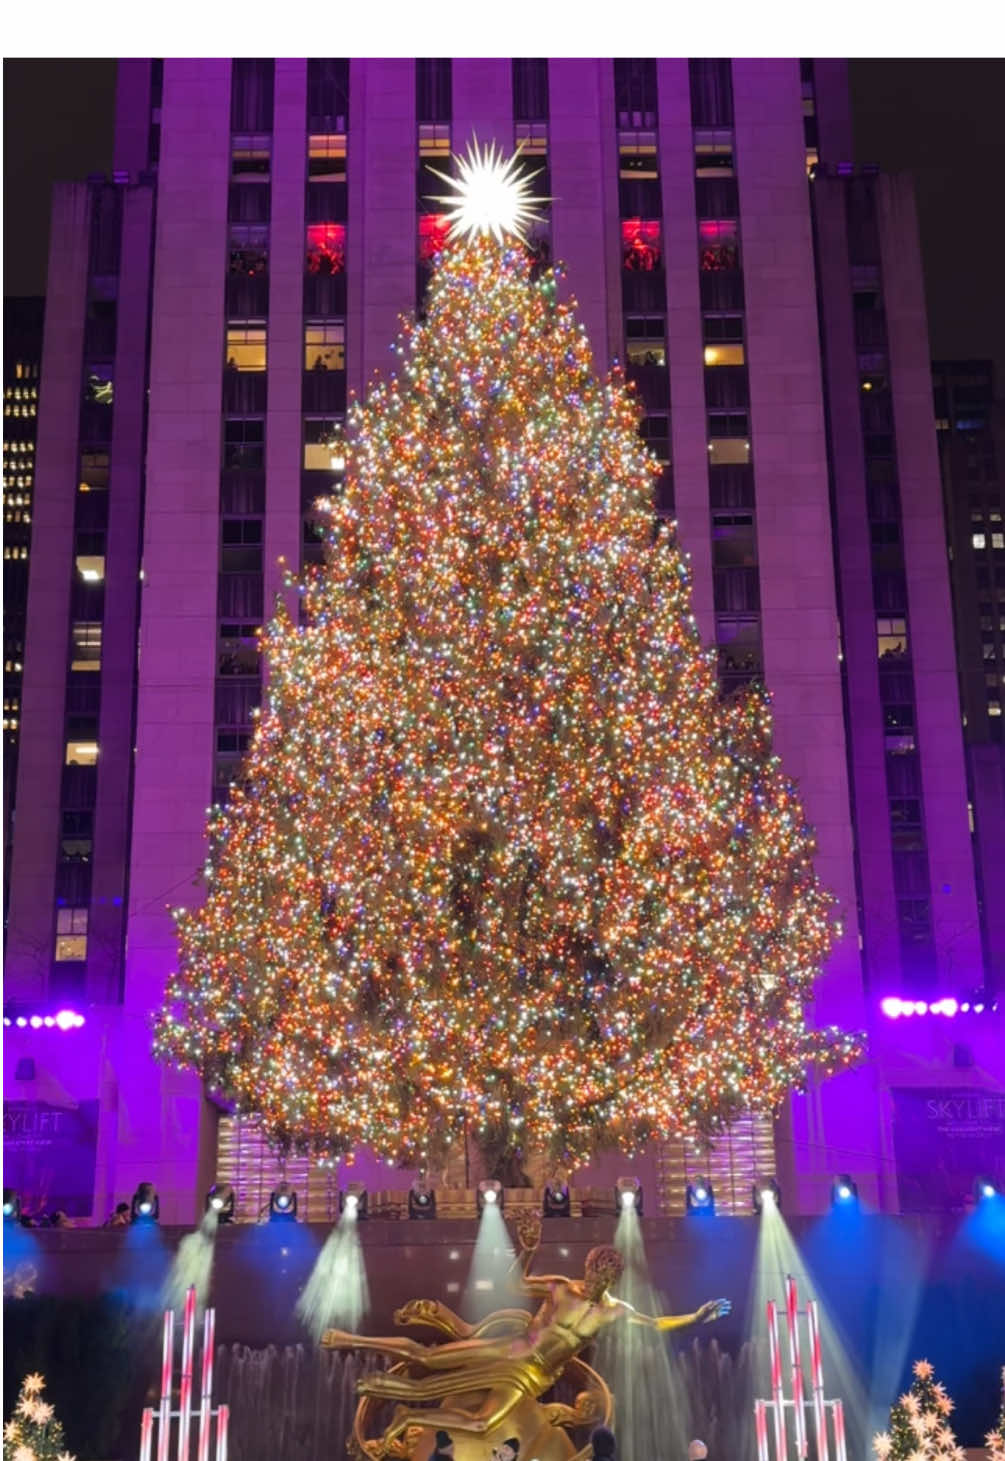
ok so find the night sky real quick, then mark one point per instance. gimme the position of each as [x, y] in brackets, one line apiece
[942, 120]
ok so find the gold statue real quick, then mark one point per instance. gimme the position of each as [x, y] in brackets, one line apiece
[492, 1376]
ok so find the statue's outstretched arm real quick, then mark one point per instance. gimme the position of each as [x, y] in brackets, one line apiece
[714, 1309]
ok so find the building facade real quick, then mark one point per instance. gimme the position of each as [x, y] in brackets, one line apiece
[212, 309]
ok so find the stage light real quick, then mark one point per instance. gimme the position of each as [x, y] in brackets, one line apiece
[490, 1194]
[766, 1193]
[352, 1201]
[700, 1198]
[283, 1204]
[628, 1195]
[421, 1200]
[220, 1200]
[146, 1205]
[984, 1189]
[844, 1191]
[557, 1200]
[11, 1206]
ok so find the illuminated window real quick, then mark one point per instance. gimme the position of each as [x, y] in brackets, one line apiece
[93, 471]
[81, 753]
[724, 355]
[99, 388]
[718, 245]
[91, 567]
[645, 339]
[249, 249]
[324, 345]
[998, 540]
[323, 448]
[326, 248]
[713, 152]
[637, 156]
[979, 540]
[532, 138]
[326, 157]
[238, 650]
[86, 645]
[250, 158]
[77, 837]
[433, 231]
[246, 346]
[434, 140]
[891, 637]
[641, 244]
[994, 707]
[71, 934]
[728, 452]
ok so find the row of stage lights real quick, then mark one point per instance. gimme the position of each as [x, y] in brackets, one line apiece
[765, 1195]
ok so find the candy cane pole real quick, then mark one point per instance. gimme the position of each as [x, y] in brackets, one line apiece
[185, 1405]
[167, 1365]
[778, 1398]
[147, 1433]
[761, 1425]
[839, 1438]
[206, 1399]
[792, 1321]
[222, 1423]
[817, 1379]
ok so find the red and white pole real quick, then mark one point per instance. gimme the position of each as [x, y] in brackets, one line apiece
[206, 1399]
[187, 1349]
[146, 1433]
[761, 1426]
[817, 1379]
[222, 1426]
[777, 1393]
[840, 1448]
[167, 1367]
[792, 1320]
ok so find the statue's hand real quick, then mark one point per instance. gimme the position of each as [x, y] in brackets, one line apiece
[714, 1309]
[528, 1229]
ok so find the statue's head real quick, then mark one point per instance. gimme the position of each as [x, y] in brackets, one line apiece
[604, 1266]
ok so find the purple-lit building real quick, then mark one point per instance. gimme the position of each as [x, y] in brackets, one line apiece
[210, 308]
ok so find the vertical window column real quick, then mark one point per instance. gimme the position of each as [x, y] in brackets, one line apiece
[434, 112]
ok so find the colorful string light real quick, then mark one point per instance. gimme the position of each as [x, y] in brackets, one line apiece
[500, 855]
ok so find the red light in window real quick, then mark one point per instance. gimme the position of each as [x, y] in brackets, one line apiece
[433, 231]
[641, 244]
[325, 248]
[718, 244]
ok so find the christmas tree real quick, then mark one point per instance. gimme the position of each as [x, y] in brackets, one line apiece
[499, 854]
[33, 1433]
[919, 1427]
[995, 1439]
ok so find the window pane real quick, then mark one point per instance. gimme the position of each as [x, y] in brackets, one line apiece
[86, 645]
[245, 347]
[324, 346]
[724, 355]
[728, 451]
[81, 753]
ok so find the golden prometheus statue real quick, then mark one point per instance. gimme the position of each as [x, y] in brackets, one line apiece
[478, 1397]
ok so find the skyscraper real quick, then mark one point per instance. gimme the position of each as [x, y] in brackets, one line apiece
[212, 308]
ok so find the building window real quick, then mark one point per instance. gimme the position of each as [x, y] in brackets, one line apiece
[328, 94]
[433, 97]
[250, 159]
[891, 637]
[93, 471]
[434, 229]
[244, 442]
[728, 423]
[724, 355]
[246, 345]
[249, 244]
[728, 452]
[91, 567]
[530, 91]
[739, 641]
[99, 388]
[326, 248]
[251, 95]
[531, 138]
[722, 329]
[71, 934]
[711, 93]
[713, 153]
[77, 836]
[645, 340]
[641, 244]
[434, 140]
[324, 450]
[238, 650]
[86, 645]
[635, 93]
[324, 345]
[326, 153]
[718, 244]
[81, 753]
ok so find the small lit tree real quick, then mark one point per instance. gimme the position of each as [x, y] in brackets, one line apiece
[33, 1433]
[919, 1425]
[995, 1439]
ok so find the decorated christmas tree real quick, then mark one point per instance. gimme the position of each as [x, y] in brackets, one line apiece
[919, 1424]
[33, 1433]
[995, 1439]
[499, 855]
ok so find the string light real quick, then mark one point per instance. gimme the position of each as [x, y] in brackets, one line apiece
[500, 857]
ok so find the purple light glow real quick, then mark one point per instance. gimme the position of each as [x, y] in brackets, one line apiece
[893, 1006]
[63, 1020]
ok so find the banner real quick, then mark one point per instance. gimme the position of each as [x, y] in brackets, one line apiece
[49, 1155]
[943, 1139]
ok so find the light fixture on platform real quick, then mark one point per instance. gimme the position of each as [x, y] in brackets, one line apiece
[766, 1194]
[421, 1200]
[146, 1205]
[220, 1201]
[283, 1204]
[700, 1198]
[557, 1200]
[352, 1201]
[11, 1206]
[490, 1194]
[984, 1189]
[628, 1195]
[844, 1191]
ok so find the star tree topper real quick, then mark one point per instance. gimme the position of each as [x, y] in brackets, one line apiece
[491, 194]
